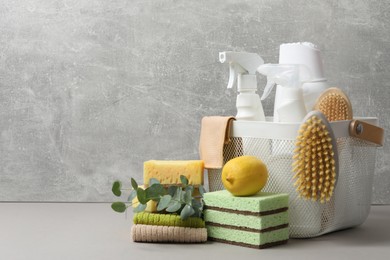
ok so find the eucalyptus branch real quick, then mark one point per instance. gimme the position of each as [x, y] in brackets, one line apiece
[177, 199]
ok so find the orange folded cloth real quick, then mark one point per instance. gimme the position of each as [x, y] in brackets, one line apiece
[214, 133]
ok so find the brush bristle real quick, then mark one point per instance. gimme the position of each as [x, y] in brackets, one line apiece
[314, 163]
[335, 107]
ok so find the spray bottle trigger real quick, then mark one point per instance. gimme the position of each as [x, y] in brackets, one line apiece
[268, 89]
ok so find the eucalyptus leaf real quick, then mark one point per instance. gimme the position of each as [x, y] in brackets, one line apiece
[132, 195]
[141, 195]
[172, 190]
[198, 207]
[196, 203]
[186, 212]
[118, 206]
[188, 197]
[197, 212]
[184, 180]
[155, 191]
[139, 208]
[201, 190]
[178, 194]
[173, 206]
[116, 188]
[182, 197]
[164, 202]
[189, 187]
[153, 181]
[134, 184]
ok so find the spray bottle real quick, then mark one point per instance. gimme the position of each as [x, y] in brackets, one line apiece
[243, 67]
[290, 78]
[290, 108]
[304, 53]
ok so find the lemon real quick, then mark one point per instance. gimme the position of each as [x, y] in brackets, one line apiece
[244, 175]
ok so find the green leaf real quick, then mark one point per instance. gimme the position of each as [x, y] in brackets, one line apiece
[189, 187]
[153, 181]
[196, 204]
[172, 190]
[134, 184]
[155, 191]
[178, 194]
[184, 180]
[116, 188]
[132, 195]
[186, 212]
[197, 212]
[164, 202]
[173, 206]
[139, 208]
[182, 195]
[188, 196]
[118, 207]
[201, 190]
[141, 195]
[198, 207]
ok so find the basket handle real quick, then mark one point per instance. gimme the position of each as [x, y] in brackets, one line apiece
[367, 132]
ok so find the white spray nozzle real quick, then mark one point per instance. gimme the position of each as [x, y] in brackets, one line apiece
[241, 63]
[286, 75]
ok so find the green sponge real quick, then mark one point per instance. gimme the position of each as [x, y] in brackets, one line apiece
[260, 202]
[248, 239]
[257, 221]
[157, 219]
[250, 222]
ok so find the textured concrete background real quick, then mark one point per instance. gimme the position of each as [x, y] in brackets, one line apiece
[91, 89]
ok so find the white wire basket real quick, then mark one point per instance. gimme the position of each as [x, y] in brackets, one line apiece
[274, 143]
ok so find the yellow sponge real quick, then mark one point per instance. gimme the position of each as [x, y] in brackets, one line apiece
[168, 172]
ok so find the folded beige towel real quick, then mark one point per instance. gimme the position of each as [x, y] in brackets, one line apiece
[150, 233]
[214, 133]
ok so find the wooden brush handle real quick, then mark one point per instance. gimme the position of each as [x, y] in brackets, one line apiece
[367, 132]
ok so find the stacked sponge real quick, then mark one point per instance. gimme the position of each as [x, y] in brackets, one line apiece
[168, 173]
[257, 221]
[158, 227]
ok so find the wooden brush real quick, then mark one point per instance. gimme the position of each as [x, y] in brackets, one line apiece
[315, 158]
[334, 104]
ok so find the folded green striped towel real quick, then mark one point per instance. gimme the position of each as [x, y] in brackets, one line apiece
[172, 220]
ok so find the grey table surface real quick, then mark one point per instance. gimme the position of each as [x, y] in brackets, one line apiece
[94, 231]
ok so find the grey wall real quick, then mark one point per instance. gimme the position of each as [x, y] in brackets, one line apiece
[91, 89]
